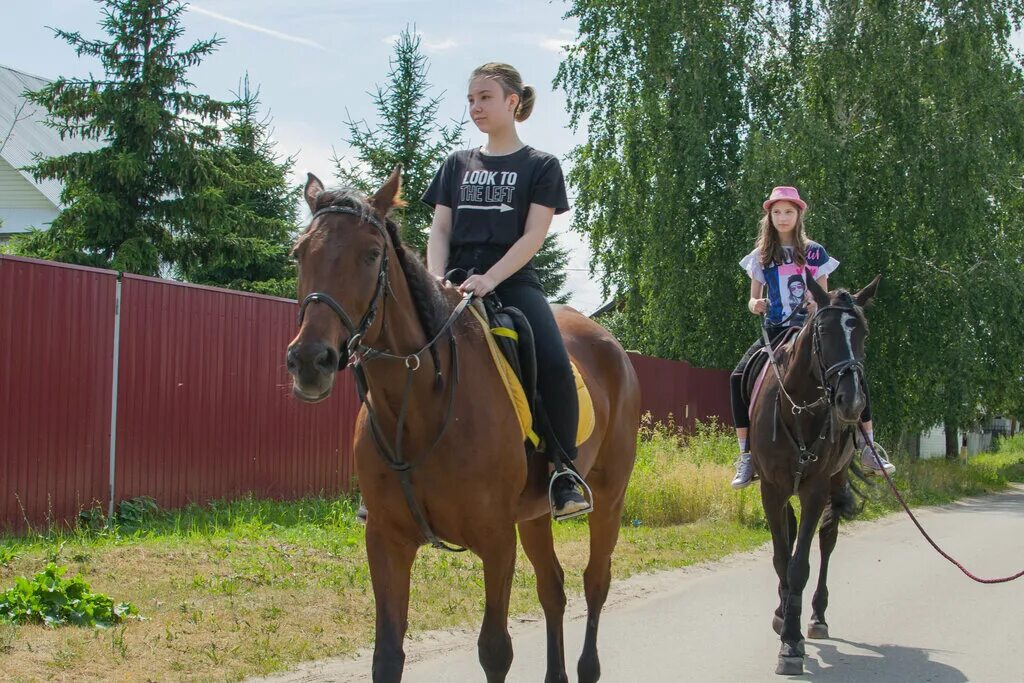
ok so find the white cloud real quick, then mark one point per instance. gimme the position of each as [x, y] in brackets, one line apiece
[555, 44]
[439, 46]
[428, 45]
[259, 29]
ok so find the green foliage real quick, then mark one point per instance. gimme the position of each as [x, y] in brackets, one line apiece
[550, 262]
[7, 555]
[152, 176]
[243, 241]
[891, 134]
[409, 134]
[49, 598]
[660, 86]
[902, 125]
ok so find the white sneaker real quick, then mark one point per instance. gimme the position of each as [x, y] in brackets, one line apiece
[870, 465]
[744, 471]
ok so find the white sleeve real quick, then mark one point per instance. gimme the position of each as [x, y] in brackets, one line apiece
[826, 268]
[751, 264]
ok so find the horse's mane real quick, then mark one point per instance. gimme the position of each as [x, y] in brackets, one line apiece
[423, 287]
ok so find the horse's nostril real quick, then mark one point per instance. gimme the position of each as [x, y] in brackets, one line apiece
[327, 360]
[290, 361]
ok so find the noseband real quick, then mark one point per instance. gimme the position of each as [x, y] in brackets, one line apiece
[356, 332]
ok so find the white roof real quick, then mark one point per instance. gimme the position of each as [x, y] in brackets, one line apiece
[29, 134]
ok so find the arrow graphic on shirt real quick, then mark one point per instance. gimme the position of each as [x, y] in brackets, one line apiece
[501, 207]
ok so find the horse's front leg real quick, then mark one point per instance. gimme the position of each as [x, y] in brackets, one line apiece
[390, 564]
[779, 515]
[494, 644]
[791, 654]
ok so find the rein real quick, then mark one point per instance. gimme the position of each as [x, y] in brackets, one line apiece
[808, 455]
[361, 353]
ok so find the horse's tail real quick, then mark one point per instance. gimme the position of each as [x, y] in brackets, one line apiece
[849, 501]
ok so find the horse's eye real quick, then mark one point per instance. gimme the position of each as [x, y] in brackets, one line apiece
[371, 256]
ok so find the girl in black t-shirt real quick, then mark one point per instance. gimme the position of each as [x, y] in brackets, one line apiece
[492, 209]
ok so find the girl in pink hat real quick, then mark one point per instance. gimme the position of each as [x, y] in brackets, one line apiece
[779, 263]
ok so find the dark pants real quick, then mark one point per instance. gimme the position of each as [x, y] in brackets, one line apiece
[555, 381]
[740, 409]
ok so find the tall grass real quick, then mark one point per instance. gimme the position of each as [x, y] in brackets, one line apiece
[685, 478]
[680, 479]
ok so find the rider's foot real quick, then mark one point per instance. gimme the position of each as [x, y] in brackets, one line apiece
[870, 465]
[567, 497]
[744, 471]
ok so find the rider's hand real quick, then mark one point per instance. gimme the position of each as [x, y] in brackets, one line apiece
[480, 285]
[757, 306]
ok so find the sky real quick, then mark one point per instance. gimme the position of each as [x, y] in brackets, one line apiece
[316, 61]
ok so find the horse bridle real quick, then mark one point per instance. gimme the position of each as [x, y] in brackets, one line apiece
[356, 332]
[361, 353]
[828, 388]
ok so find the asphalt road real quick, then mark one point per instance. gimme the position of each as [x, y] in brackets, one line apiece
[898, 612]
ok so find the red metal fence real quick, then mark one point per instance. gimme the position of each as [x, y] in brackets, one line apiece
[56, 354]
[673, 390]
[204, 407]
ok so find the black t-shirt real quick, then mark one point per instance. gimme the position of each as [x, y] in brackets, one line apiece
[490, 196]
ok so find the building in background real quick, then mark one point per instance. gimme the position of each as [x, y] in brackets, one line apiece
[26, 203]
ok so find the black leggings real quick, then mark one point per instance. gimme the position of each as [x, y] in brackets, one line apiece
[740, 409]
[555, 381]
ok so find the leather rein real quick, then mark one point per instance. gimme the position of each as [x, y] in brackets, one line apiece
[357, 353]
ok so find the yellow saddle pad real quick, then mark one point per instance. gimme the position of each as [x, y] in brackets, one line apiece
[514, 389]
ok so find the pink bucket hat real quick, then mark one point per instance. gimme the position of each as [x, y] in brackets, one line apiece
[787, 193]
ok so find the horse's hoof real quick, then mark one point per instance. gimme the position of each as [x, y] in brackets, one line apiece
[790, 666]
[777, 624]
[817, 630]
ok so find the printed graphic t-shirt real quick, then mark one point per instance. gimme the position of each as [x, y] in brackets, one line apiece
[490, 196]
[787, 282]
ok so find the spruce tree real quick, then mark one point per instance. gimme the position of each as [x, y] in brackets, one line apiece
[245, 240]
[409, 134]
[124, 201]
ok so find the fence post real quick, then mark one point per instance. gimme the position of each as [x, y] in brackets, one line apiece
[113, 394]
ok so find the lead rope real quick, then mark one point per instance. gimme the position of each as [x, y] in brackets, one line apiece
[878, 461]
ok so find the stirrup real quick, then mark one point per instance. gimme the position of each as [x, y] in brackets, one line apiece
[588, 495]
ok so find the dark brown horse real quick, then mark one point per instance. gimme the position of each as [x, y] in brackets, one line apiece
[468, 479]
[802, 441]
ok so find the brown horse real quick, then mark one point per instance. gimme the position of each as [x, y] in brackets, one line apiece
[465, 475]
[802, 442]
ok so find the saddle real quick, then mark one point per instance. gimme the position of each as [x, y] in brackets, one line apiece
[757, 368]
[510, 340]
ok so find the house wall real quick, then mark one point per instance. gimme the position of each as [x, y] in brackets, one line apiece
[21, 205]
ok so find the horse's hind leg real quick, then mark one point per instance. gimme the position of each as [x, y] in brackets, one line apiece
[494, 645]
[535, 536]
[604, 534]
[390, 563]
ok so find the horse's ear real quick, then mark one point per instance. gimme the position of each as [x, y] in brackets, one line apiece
[819, 294]
[313, 188]
[864, 296]
[390, 194]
